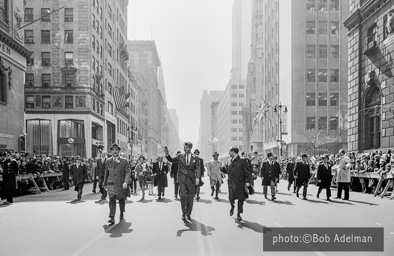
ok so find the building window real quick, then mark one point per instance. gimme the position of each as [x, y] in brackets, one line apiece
[310, 27]
[334, 99]
[69, 100]
[234, 129]
[323, 51]
[68, 14]
[29, 79]
[322, 27]
[46, 101]
[234, 121]
[46, 58]
[93, 21]
[30, 59]
[334, 5]
[311, 75]
[68, 58]
[334, 75]
[311, 5]
[97, 27]
[234, 113]
[3, 88]
[311, 51]
[29, 37]
[322, 123]
[323, 75]
[4, 13]
[322, 5]
[310, 123]
[39, 136]
[241, 95]
[241, 86]
[234, 104]
[233, 138]
[28, 14]
[310, 99]
[334, 27]
[334, 123]
[334, 51]
[68, 36]
[29, 101]
[45, 37]
[45, 14]
[110, 108]
[94, 105]
[101, 32]
[322, 99]
[233, 86]
[46, 80]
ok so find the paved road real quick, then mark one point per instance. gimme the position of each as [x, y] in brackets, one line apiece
[52, 224]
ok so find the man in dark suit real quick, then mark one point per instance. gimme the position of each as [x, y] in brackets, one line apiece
[302, 175]
[324, 177]
[239, 175]
[270, 175]
[174, 175]
[197, 154]
[79, 172]
[290, 174]
[116, 180]
[65, 169]
[10, 171]
[99, 174]
[160, 170]
[188, 177]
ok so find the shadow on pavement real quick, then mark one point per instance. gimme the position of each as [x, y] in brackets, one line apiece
[317, 201]
[164, 200]
[196, 226]
[101, 202]
[287, 194]
[76, 201]
[259, 193]
[222, 201]
[205, 201]
[256, 227]
[254, 202]
[145, 201]
[340, 202]
[282, 202]
[119, 229]
[361, 202]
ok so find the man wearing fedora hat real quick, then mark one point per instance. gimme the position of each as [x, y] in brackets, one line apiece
[302, 175]
[116, 180]
[215, 174]
[188, 177]
[324, 177]
[79, 173]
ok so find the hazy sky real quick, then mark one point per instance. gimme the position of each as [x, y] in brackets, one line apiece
[193, 38]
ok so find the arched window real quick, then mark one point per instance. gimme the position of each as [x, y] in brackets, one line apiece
[372, 127]
[3, 88]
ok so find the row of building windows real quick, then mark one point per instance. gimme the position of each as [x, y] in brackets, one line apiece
[240, 95]
[323, 51]
[322, 99]
[235, 104]
[46, 59]
[234, 86]
[322, 5]
[97, 107]
[55, 101]
[46, 36]
[322, 123]
[121, 127]
[323, 75]
[236, 129]
[236, 121]
[234, 113]
[236, 138]
[46, 14]
[69, 79]
[322, 27]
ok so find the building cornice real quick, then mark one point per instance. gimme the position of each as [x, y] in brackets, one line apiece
[13, 44]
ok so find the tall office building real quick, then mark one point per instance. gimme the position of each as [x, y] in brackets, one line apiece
[79, 91]
[308, 75]
[12, 68]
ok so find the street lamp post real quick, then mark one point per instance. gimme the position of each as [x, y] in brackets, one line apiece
[278, 110]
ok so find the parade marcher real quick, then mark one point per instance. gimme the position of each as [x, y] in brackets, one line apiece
[133, 179]
[343, 176]
[324, 177]
[99, 174]
[238, 179]
[160, 170]
[65, 169]
[79, 173]
[174, 175]
[10, 171]
[302, 174]
[141, 170]
[269, 175]
[202, 170]
[188, 177]
[256, 166]
[116, 180]
[215, 175]
[290, 174]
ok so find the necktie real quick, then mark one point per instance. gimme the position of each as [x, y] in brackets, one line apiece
[160, 165]
[187, 159]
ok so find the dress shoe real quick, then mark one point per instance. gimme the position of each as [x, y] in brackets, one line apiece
[337, 198]
[121, 216]
[111, 221]
[265, 196]
[239, 217]
[317, 196]
[216, 198]
[304, 198]
[297, 195]
[328, 199]
[347, 199]
[176, 197]
[94, 191]
[159, 198]
[198, 198]
[188, 217]
[232, 210]
[183, 217]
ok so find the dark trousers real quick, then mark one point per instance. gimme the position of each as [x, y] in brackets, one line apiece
[160, 190]
[66, 184]
[273, 189]
[112, 205]
[345, 187]
[78, 188]
[95, 184]
[328, 190]
[186, 191]
[197, 190]
[9, 195]
[133, 185]
[217, 188]
[240, 205]
[176, 185]
[304, 192]
[101, 187]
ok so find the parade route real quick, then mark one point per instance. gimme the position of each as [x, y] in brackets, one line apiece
[53, 223]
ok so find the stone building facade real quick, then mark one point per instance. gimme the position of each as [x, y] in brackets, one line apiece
[370, 85]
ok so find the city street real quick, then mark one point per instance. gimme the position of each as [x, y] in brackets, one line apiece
[52, 224]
